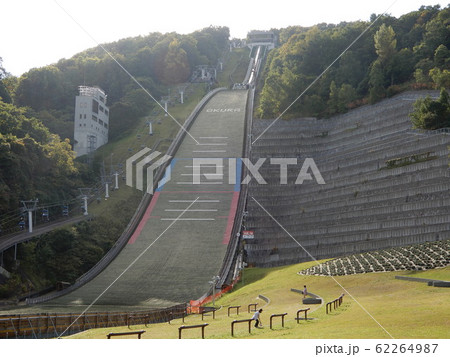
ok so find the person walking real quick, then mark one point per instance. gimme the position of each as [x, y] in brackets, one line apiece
[257, 318]
[305, 291]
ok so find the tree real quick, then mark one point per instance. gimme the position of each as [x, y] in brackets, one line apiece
[347, 94]
[333, 102]
[340, 98]
[3, 72]
[440, 78]
[385, 44]
[376, 82]
[5, 96]
[41, 88]
[34, 162]
[432, 114]
[385, 47]
[403, 65]
[176, 65]
[442, 57]
[437, 32]
[420, 76]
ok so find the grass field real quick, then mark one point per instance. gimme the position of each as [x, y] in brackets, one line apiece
[376, 306]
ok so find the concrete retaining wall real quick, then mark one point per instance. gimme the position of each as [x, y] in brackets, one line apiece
[363, 205]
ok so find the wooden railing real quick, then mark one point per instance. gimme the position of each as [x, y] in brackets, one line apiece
[278, 315]
[239, 321]
[234, 307]
[202, 326]
[299, 312]
[335, 303]
[206, 311]
[139, 333]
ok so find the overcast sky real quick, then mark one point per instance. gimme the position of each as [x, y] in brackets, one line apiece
[36, 33]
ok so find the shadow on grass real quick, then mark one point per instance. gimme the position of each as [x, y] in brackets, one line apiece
[251, 275]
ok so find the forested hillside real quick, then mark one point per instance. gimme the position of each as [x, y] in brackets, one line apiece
[34, 162]
[411, 52]
[36, 131]
[36, 109]
[155, 60]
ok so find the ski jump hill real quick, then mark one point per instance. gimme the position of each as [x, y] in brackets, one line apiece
[180, 241]
[386, 185]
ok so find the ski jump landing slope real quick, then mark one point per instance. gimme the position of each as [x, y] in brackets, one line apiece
[183, 248]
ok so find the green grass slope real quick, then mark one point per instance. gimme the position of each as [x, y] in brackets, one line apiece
[376, 305]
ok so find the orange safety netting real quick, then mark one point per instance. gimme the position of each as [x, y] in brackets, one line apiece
[195, 305]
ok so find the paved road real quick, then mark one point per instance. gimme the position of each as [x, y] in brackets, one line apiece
[181, 242]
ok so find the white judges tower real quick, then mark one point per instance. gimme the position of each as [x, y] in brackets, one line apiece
[91, 120]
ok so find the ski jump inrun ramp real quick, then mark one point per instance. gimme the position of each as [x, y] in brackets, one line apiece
[184, 241]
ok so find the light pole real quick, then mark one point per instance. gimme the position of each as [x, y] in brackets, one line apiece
[85, 193]
[165, 100]
[116, 174]
[150, 128]
[214, 281]
[106, 180]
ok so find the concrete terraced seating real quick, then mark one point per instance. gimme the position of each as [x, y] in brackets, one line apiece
[365, 204]
[424, 256]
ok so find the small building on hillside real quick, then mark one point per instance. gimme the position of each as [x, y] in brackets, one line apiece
[261, 38]
[91, 122]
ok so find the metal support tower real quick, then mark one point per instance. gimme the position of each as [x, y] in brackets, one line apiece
[30, 207]
[85, 193]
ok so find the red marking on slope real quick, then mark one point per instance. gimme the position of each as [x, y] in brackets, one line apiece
[144, 219]
[233, 208]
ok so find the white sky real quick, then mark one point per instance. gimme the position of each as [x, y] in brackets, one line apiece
[36, 33]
